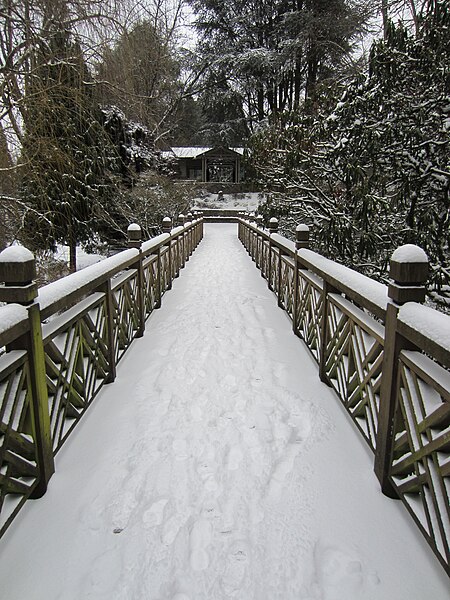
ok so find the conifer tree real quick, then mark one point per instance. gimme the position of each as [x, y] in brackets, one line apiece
[65, 150]
[371, 170]
[272, 54]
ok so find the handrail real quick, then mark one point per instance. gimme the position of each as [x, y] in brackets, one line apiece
[63, 343]
[386, 356]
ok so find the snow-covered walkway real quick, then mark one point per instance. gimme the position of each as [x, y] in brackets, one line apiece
[216, 467]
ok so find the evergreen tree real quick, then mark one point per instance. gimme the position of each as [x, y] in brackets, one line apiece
[372, 171]
[65, 150]
[140, 76]
[272, 53]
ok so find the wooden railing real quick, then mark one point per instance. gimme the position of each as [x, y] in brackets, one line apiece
[387, 357]
[64, 343]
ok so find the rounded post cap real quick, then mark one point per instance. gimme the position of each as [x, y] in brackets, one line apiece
[17, 265]
[302, 227]
[134, 235]
[166, 224]
[409, 265]
[273, 225]
[134, 232]
[409, 273]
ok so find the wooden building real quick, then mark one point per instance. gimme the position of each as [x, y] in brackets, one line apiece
[208, 164]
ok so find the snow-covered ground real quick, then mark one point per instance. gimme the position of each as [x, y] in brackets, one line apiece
[217, 467]
[244, 201]
[84, 259]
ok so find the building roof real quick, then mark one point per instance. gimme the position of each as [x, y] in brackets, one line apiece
[195, 151]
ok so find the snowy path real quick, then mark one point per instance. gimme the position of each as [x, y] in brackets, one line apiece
[216, 467]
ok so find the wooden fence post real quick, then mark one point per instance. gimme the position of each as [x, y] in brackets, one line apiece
[106, 289]
[181, 222]
[178, 259]
[408, 272]
[301, 241]
[18, 272]
[187, 239]
[134, 241]
[167, 228]
[190, 234]
[327, 289]
[273, 228]
[259, 241]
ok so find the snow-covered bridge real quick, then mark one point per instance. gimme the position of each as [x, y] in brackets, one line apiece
[217, 465]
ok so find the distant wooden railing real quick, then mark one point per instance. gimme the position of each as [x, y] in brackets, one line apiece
[387, 357]
[221, 215]
[63, 343]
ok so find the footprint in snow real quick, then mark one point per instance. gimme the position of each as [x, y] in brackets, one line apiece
[154, 515]
[235, 457]
[171, 528]
[339, 574]
[196, 413]
[235, 568]
[179, 448]
[280, 472]
[200, 538]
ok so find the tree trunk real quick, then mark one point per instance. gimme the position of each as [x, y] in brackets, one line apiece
[72, 256]
[297, 82]
[260, 104]
[311, 76]
[385, 16]
[415, 17]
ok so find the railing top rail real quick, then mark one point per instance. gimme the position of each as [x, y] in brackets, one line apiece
[287, 246]
[13, 322]
[155, 243]
[427, 328]
[57, 295]
[363, 290]
[54, 296]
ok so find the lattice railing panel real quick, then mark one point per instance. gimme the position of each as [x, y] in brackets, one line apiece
[265, 258]
[151, 291]
[421, 463]
[253, 245]
[287, 281]
[18, 468]
[354, 357]
[165, 269]
[274, 263]
[125, 312]
[77, 366]
[175, 258]
[309, 310]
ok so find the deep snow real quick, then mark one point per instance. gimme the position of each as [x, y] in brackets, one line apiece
[217, 466]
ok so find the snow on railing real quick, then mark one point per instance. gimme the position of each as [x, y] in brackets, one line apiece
[63, 343]
[385, 354]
